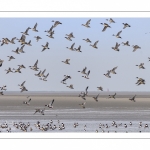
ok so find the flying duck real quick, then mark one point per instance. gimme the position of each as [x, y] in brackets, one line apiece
[21, 49]
[87, 40]
[70, 35]
[87, 24]
[44, 78]
[78, 49]
[17, 70]
[135, 47]
[126, 43]
[29, 43]
[21, 85]
[83, 71]
[113, 70]
[21, 66]
[50, 30]
[5, 41]
[94, 45]
[126, 25]
[87, 75]
[10, 58]
[27, 102]
[9, 70]
[16, 51]
[82, 95]
[12, 40]
[116, 47]
[23, 89]
[50, 105]
[51, 35]
[105, 26]
[45, 47]
[71, 86]
[108, 74]
[35, 66]
[110, 20]
[83, 104]
[26, 32]
[3, 88]
[96, 98]
[133, 98]
[66, 61]
[118, 34]
[71, 48]
[68, 38]
[141, 65]
[56, 23]
[34, 28]
[37, 38]
[100, 88]
[112, 96]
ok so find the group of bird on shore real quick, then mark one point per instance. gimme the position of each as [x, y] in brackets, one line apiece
[54, 125]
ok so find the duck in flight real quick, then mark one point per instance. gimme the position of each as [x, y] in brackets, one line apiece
[34, 28]
[9, 70]
[96, 98]
[45, 47]
[141, 66]
[118, 34]
[87, 24]
[126, 25]
[100, 88]
[108, 74]
[87, 75]
[83, 104]
[26, 31]
[71, 86]
[87, 40]
[50, 105]
[133, 98]
[71, 48]
[135, 47]
[126, 43]
[37, 38]
[116, 47]
[110, 20]
[66, 61]
[105, 26]
[112, 96]
[94, 45]
[27, 102]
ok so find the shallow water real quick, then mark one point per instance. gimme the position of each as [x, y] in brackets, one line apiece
[68, 111]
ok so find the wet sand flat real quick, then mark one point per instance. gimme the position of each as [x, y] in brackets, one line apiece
[68, 110]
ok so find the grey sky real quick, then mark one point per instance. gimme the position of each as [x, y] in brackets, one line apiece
[98, 61]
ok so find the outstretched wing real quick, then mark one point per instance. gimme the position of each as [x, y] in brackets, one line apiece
[105, 27]
[35, 26]
[23, 83]
[96, 43]
[52, 102]
[114, 68]
[29, 100]
[97, 96]
[88, 22]
[119, 33]
[36, 63]
[72, 45]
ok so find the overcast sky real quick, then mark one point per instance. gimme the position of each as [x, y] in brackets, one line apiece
[98, 61]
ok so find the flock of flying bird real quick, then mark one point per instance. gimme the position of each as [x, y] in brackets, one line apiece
[41, 74]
